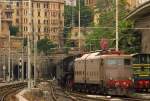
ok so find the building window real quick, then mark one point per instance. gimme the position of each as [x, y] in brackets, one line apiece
[46, 30]
[17, 12]
[25, 28]
[46, 5]
[17, 4]
[39, 22]
[17, 20]
[46, 14]
[25, 20]
[24, 12]
[38, 5]
[39, 13]
[39, 29]
[47, 22]
[27, 4]
[32, 5]
[44, 21]
[32, 13]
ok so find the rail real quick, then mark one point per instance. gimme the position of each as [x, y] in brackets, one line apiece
[8, 89]
[58, 93]
[53, 92]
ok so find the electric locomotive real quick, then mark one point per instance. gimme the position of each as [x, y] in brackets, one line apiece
[141, 72]
[106, 72]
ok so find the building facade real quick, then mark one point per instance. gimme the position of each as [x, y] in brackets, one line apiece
[5, 19]
[45, 19]
[91, 3]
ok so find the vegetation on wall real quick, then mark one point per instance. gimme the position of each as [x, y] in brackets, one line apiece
[13, 30]
[45, 46]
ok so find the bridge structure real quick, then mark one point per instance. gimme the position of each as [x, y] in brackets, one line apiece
[141, 16]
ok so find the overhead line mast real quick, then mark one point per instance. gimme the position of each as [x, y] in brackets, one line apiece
[117, 27]
[79, 25]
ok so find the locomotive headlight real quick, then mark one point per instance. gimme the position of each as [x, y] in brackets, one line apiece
[130, 78]
[117, 84]
[124, 83]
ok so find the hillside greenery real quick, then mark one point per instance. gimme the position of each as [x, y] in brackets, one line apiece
[71, 18]
[129, 40]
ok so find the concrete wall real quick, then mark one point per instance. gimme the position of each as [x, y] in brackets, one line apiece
[144, 22]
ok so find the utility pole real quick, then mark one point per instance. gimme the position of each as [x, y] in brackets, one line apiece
[79, 22]
[9, 70]
[0, 21]
[72, 13]
[35, 52]
[29, 52]
[4, 66]
[117, 27]
[12, 73]
[22, 58]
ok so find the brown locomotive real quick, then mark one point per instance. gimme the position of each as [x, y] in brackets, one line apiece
[103, 72]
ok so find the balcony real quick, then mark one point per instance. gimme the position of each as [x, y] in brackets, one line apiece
[7, 18]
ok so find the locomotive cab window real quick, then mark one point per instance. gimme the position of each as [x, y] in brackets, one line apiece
[114, 62]
[127, 61]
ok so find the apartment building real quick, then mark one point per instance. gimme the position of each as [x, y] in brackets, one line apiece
[46, 18]
[90, 3]
[5, 19]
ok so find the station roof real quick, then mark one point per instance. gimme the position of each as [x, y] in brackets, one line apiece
[139, 12]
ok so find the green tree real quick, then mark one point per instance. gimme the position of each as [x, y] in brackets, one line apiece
[13, 30]
[71, 13]
[127, 36]
[86, 15]
[45, 46]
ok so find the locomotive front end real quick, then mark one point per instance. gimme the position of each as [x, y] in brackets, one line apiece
[118, 74]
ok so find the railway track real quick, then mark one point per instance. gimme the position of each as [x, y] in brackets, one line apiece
[84, 97]
[71, 96]
[6, 90]
[134, 99]
[57, 92]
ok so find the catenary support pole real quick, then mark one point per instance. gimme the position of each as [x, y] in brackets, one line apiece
[117, 27]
